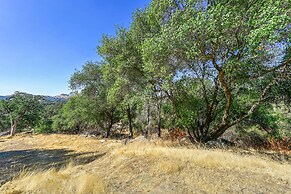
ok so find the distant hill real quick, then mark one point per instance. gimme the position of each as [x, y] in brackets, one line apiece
[59, 98]
[2, 97]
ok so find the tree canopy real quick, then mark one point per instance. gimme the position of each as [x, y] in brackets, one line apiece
[202, 66]
[216, 61]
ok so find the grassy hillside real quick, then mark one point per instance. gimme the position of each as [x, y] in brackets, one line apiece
[75, 164]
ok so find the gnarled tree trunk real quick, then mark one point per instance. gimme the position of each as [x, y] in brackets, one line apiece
[13, 127]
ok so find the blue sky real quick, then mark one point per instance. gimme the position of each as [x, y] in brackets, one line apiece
[42, 42]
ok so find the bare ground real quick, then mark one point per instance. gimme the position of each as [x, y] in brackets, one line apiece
[75, 164]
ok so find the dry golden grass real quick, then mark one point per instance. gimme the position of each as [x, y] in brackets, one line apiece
[68, 180]
[205, 171]
[208, 158]
[146, 168]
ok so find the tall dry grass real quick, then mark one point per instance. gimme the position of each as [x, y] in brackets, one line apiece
[68, 180]
[175, 159]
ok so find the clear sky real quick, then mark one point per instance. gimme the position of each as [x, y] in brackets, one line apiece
[42, 42]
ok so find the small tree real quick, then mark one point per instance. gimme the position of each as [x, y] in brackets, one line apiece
[123, 72]
[97, 109]
[22, 110]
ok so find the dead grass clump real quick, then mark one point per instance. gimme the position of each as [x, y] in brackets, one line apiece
[65, 181]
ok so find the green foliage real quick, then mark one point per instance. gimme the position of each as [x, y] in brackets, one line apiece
[48, 113]
[203, 66]
[4, 121]
[21, 110]
[70, 117]
[90, 109]
[224, 46]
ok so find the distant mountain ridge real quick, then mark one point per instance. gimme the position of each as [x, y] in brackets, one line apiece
[58, 98]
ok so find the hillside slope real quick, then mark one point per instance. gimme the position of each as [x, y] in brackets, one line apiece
[75, 164]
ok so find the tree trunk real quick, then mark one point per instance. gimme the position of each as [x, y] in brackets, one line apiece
[13, 128]
[108, 131]
[148, 121]
[159, 118]
[129, 122]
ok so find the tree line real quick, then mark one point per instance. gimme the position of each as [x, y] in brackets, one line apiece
[201, 66]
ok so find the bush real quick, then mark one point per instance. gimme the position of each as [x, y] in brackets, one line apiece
[44, 126]
[283, 144]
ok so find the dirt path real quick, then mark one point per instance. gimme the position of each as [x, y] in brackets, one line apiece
[99, 166]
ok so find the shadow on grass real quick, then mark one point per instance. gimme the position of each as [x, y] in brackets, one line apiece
[13, 162]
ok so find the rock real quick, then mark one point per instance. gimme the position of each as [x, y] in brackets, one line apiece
[184, 141]
[140, 138]
[219, 143]
[4, 133]
[92, 134]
